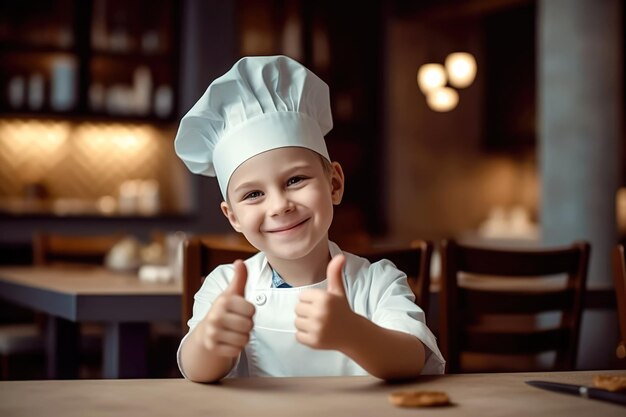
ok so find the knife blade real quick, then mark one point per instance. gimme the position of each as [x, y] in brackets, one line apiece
[581, 391]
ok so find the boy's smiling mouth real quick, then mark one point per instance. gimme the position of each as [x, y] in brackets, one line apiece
[288, 227]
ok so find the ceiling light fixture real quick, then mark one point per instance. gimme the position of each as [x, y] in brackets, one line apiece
[442, 99]
[436, 81]
[431, 76]
[461, 69]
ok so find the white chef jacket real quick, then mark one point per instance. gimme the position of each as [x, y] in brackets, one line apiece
[377, 291]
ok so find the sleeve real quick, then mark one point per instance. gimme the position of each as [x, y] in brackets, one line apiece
[393, 305]
[214, 284]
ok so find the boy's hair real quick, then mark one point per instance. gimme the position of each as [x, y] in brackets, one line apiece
[326, 165]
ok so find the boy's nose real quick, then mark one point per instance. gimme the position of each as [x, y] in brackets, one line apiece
[280, 203]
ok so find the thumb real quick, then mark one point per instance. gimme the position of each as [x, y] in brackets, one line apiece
[335, 276]
[240, 277]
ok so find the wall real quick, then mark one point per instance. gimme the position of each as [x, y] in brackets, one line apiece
[440, 182]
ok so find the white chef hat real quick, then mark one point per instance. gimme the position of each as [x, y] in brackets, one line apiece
[261, 103]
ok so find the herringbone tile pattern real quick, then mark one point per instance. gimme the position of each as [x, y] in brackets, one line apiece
[84, 160]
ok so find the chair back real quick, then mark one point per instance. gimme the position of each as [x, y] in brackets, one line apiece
[50, 248]
[414, 261]
[509, 284]
[201, 256]
[619, 278]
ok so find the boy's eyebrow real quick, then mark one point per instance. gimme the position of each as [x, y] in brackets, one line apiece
[245, 185]
[303, 165]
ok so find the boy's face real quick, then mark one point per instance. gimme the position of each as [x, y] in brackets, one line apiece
[282, 201]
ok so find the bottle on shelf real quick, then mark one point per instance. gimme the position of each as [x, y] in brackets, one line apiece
[63, 84]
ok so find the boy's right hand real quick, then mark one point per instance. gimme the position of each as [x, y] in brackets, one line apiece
[226, 327]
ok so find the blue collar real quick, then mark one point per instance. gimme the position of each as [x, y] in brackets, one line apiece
[278, 282]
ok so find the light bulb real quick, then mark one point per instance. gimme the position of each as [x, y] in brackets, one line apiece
[461, 69]
[442, 99]
[431, 76]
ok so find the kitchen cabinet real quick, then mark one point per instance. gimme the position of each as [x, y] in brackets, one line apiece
[102, 59]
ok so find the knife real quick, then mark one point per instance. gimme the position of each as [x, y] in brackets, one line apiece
[581, 391]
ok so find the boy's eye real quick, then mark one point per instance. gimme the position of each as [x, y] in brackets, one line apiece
[252, 195]
[294, 180]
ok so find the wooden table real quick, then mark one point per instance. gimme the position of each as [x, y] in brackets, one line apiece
[471, 394]
[70, 295]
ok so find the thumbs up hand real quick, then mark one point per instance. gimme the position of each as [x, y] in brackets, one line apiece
[334, 276]
[226, 327]
[238, 284]
[324, 316]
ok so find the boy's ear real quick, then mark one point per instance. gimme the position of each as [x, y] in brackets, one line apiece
[337, 182]
[230, 216]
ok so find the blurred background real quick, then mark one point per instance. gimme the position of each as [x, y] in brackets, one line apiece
[527, 150]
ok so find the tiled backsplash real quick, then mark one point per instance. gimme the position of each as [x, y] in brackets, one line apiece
[73, 167]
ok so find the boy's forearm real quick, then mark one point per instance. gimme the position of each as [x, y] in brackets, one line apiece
[199, 364]
[386, 354]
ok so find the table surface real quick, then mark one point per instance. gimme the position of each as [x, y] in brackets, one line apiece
[86, 280]
[471, 395]
[85, 293]
[124, 304]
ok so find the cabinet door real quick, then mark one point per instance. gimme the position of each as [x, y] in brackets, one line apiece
[100, 58]
[133, 61]
[38, 56]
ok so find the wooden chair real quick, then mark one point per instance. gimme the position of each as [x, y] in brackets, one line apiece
[413, 260]
[19, 339]
[55, 249]
[619, 278]
[478, 313]
[200, 256]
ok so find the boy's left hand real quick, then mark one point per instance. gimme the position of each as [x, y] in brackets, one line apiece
[323, 317]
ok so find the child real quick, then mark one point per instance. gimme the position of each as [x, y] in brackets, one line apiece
[300, 307]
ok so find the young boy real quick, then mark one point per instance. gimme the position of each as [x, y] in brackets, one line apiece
[300, 307]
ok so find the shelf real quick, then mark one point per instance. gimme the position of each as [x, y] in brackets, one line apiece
[88, 116]
[87, 216]
[90, 58]
[27, 48]
[79, 209]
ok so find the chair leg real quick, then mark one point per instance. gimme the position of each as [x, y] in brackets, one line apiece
[4, 363]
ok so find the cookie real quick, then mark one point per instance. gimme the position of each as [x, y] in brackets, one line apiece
[610, 382]
[419, 398]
